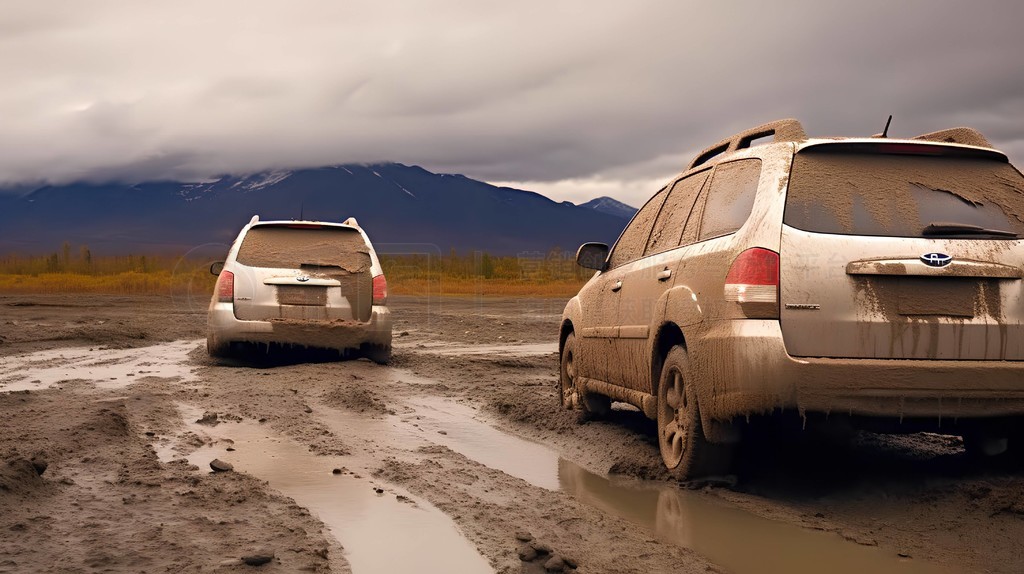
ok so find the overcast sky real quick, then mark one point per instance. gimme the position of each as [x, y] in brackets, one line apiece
[574, 99]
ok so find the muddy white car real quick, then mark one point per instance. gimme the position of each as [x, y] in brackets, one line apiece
[867, 282]
[311, 284]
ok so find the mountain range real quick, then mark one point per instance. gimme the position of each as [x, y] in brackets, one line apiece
[402, 208]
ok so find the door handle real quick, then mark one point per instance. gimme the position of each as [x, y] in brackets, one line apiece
[664, 274]
[617, 286]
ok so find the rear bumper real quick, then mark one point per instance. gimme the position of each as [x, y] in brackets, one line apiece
[745, 366]
[223, 328]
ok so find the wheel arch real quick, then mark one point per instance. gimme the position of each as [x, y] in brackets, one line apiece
[563, 333]
[669, 335]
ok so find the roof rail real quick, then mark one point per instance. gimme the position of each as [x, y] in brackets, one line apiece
[788, 130]
[966, 136]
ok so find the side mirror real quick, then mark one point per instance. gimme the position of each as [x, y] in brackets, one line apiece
[217, 267]
[592, 256]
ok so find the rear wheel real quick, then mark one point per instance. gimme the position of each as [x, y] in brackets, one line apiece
[571, 396]
[999, 444]
[215, 349]
[380, 354]
[684, 448]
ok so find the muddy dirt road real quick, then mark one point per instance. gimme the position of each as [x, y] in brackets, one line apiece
[455, 458]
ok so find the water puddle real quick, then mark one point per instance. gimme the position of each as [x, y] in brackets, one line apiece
[379, 531]
[107, 368]
[500, 351]
[728, 536]
[453, 425]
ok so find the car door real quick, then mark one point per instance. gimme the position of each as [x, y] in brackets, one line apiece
[599, 298]
[645, 280]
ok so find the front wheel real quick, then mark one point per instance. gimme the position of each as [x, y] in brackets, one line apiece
[570, 394]
[684, 448]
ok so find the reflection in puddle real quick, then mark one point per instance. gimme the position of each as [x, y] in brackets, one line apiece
[726, 535]
[497, 351]
[107, 368]
[379, 532]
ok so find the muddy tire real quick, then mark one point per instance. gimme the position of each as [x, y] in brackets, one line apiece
[570, 395]
[999, 446]
[380, 354]
[215, 349]
[685, 450]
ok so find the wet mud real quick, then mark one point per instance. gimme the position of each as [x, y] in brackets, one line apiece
[455, 458]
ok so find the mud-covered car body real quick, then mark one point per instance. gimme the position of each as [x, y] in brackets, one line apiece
[875, 279]
[301, 283]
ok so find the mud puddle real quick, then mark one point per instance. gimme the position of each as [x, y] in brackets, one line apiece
[739, 541]
[107, 368]
[453, 425]
[505, 350]
[388, 531]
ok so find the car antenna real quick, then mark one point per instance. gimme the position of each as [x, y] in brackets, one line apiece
[885, 132]
[303, 204]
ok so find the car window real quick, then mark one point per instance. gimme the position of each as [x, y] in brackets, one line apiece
[288, 247]
[730, 197]
[633, 240]
[900, 195]
[668, 229]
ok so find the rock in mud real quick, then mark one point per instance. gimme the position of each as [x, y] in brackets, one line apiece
[258, 559]
[524, 536]
[555, 564]
[527, 554]
[219, 465]
[209, 419]
[40, 464]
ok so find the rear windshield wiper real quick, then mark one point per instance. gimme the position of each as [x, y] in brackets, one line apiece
[946, 228]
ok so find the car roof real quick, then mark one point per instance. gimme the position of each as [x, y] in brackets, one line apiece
[789, 133]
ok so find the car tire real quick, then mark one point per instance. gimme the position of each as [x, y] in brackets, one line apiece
[215, 349]
[685, 450]
[984, 445]
[570, 395]
[380, 354]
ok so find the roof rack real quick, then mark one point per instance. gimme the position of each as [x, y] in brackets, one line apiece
[965, 136]
[788, 130]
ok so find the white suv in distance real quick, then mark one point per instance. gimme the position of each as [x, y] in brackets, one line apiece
[311, 284]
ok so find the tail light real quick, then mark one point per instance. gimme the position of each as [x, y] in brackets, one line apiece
[380, 290]
[753, 283]
[225, 287]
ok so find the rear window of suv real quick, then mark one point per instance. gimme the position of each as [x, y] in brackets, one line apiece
[851, 193]
[294, 247]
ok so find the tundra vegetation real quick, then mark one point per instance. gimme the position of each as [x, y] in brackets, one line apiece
[77, 270]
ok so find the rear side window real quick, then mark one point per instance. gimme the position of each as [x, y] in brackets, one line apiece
[730, 198]
[287, 247]
[900, 195]
[668, 229]
[633, 240]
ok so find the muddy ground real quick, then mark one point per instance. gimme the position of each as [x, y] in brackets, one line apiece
[455, 458]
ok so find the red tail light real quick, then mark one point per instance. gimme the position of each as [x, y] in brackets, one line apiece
[380, 290]
[753, 282]
[226, 287]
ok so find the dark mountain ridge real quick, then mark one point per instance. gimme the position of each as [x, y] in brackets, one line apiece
[402, 208]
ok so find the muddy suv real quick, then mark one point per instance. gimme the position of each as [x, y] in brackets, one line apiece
[868, 282]
[309, 284]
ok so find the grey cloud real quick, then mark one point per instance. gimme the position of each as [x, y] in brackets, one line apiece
[529, 92]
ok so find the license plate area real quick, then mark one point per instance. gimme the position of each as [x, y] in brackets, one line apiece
[301, 295]
[946, 297]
